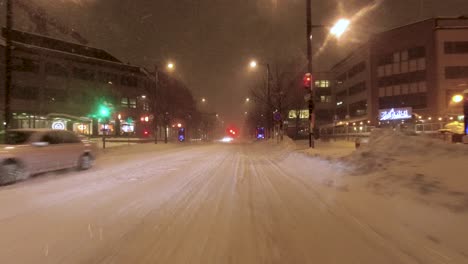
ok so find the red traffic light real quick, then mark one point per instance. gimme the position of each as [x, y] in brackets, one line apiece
[307, 80]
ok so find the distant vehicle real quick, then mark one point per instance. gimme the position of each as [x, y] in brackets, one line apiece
[32, 151]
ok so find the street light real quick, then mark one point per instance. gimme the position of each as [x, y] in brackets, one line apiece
[457, 98]
[247, 100]
[253, 64]
[170, 66]
[340, 27]
[203, 100]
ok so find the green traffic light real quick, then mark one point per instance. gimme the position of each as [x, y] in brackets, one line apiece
[104, 111]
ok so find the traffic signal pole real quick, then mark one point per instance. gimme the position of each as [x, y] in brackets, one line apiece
[310, 68]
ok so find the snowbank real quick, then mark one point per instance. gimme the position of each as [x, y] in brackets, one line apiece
[387, 147]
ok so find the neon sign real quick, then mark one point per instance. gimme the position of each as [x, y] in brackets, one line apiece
[58, 125]
[395, 114]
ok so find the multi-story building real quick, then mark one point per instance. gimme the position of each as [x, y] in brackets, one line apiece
[298, 119]
[352, 93]
[414, 70]
[58, 84]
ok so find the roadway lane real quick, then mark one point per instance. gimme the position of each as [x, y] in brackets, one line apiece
[197, 204]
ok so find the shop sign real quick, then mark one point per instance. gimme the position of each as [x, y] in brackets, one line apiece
[82, 127]
[58, 125]
[395, 114]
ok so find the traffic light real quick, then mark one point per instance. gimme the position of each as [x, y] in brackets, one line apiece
[181, 135]
[104, 111]
[307, 81]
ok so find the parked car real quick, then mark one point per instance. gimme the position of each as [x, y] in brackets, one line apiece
[31, 151]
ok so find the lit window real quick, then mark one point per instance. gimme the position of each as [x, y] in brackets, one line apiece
[421, 64]
[396, 68]
[382, 92]
[422, 87]
[414, 88]
[397, 90]
[404, 67]
[404, 55]
[404, 89]
[322, 83]
[389, 91]
[413, 65]
[132, 103]
[381, 71]
[124, 102]
[388, 69]
[396, 57]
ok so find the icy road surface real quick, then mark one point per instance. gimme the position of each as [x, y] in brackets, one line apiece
[217, 204]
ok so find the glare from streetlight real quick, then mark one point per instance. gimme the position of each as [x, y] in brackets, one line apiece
[170, 66]
[247, 99]
[253, 64]
[340, 27]
[203, 100]
[457, 98]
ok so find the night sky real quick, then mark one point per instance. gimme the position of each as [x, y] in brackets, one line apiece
[212, 41]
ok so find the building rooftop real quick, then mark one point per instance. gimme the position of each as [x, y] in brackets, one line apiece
[439, 23]
[58, 45]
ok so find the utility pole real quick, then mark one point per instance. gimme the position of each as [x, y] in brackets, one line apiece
[8, 74]
[269, 114]
[155, 104]
[310, 69]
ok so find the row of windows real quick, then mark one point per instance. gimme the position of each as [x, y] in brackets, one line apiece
[412, 88]
[357, 88]
[405, 55]
[341, 95]
[24, 65]
[358, 68]
[456, 72]
[324, 99]
[32, 93]
[358, 108]
[25, 92]
[416, 101]
[126, 102]
[322, 83]
[57, 69]
[401, 67]
[403, 78]
[456, 47]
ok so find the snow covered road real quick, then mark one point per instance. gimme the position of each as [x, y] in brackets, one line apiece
[218, 203]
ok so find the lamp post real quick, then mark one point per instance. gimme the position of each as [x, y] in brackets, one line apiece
[170, 66]
[254, 64]
[337, 30]
[8, 75]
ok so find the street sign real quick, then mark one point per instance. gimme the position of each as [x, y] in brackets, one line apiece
[277, 116]
[307, 97]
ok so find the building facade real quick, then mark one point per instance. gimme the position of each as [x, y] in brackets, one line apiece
[58, 84]
[410, 72]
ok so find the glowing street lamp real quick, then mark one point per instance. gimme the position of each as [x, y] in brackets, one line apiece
[457, 98]
[170, 66]
[340, 27]
[253, 64]
[247, 100]
[203, 100]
